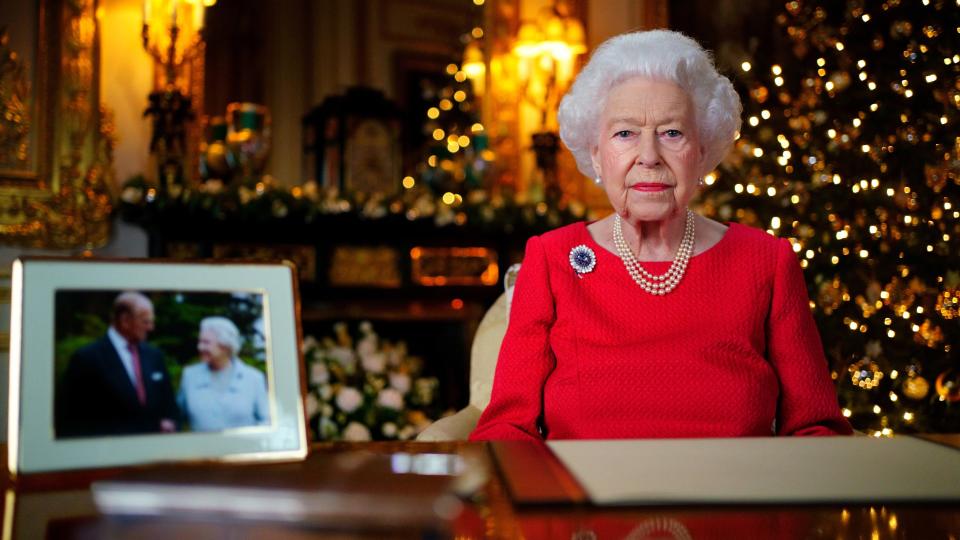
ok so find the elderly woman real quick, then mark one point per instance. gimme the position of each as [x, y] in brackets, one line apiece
[656, 321]
[222, 392]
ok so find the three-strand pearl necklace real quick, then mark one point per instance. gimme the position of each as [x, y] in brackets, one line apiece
[664, 283]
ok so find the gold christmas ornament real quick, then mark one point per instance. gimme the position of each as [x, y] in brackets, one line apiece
[916, 387]
[948, 385]
[865, 373]
[759, 93]
[830, 295]
[901, 29]
[929, 334]
[948, 304]
[899, 295]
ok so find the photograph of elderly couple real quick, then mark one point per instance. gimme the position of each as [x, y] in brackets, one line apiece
[132, 362]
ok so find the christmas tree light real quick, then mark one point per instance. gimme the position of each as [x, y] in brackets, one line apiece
[850, 149]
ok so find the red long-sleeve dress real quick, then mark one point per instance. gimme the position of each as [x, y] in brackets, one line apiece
[732, 351]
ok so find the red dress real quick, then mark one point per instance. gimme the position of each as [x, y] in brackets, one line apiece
[732, 351]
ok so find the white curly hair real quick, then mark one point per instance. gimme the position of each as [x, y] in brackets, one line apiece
[658, 54]
[226, 333]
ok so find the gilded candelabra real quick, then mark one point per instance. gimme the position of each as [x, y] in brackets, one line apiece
[172, 35]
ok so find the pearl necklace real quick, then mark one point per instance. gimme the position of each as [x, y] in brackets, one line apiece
[664, 283]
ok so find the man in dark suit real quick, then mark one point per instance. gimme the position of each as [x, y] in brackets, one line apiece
[118, 384]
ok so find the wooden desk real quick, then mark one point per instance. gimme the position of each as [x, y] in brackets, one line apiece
[63, 508]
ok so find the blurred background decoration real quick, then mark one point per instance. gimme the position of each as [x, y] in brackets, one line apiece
[248, 137]
[217, 160]
[849, 148]
[172, 34]
[548, 47]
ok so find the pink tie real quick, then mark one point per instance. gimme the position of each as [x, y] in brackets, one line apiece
[137, 373]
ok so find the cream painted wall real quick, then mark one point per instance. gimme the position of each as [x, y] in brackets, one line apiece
[289, 57]
[334, 41]
[126, 79]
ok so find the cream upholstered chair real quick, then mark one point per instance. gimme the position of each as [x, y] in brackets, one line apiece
[483, 363]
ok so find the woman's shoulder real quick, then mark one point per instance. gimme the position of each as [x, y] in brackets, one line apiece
[193, 371]
[753, 238]
[756, 247]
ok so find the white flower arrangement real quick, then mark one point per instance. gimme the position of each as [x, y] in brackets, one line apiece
[369, 391]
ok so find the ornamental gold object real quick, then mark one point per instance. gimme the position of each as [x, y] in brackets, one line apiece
[865, 374]
[916, 387]
[56, 140]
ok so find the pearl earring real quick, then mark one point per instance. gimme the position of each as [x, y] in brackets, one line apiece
[700, 181]
[598, 180]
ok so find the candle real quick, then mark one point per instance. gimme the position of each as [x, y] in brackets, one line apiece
[146, 11]
[173, 14]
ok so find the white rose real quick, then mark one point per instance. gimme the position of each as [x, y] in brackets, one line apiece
[343, 356]
[326, 411]
[373, 362]
[309, 342]
[367, 345]
[325, 392]
[356, 432]
[132, 195]
[348, 399]
[312, 404]
[213, 186]
[319, 373]
[366, 327]
[389, 429]
[390, 398]
[310, 190]
[400, 381]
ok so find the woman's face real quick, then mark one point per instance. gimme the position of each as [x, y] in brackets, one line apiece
[210, 349]
[648, 153]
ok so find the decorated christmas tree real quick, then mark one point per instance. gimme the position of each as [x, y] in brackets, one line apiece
[850, 149]
[456, 154]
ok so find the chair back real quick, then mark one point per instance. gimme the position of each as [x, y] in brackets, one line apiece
[487, 341]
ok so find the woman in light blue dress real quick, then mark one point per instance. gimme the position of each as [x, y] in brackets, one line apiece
[221, 391]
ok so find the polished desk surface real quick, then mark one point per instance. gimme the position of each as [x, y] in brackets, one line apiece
[61, 506]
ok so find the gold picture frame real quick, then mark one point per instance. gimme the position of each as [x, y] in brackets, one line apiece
[56, 139]
[72, 394]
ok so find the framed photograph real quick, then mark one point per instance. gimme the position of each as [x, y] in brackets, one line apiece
[118, 363]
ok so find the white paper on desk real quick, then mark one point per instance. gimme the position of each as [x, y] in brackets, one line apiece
[762, 470]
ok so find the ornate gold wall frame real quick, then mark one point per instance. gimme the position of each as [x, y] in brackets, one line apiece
[56, 140]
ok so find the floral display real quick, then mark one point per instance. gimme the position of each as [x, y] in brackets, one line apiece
[368, 389]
